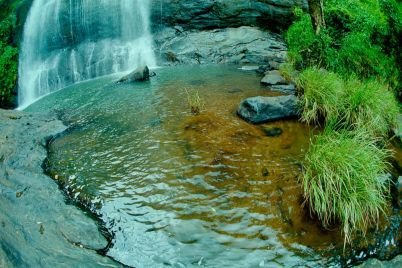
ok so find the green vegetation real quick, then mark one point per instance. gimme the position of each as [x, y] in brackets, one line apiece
[8, 51]
[322, 93]
[350, 103]
[342, 181]
[194, 101]
[350, 73]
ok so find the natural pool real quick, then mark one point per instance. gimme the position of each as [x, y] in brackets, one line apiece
[184, 190]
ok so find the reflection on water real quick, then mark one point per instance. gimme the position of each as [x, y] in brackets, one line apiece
[185, 190]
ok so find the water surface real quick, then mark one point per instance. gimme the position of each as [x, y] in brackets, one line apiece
[184, 190]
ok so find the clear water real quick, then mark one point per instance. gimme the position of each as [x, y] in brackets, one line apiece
[184, 190]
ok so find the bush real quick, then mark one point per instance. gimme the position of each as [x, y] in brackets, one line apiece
[359, 56]
[321, 95]
[343, 180]
[306, 49]
[8, 73]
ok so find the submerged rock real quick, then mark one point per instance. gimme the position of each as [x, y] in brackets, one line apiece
[264, 109]
[272, 131]
[138, 75]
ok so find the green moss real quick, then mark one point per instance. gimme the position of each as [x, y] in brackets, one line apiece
[343, 180]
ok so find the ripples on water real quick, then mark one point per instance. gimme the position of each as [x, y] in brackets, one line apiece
[181, 190]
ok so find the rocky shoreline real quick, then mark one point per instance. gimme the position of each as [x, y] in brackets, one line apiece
[37, 227]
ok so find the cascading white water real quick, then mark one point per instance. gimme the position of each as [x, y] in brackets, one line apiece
[67, 41]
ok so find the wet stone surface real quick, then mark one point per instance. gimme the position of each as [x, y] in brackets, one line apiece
[37, 227]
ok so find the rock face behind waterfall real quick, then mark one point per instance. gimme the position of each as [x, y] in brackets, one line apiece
[211, 14]
[138, 75]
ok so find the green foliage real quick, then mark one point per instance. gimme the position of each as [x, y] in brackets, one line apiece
[362, 37]
[305, 47]
[343, 179]
[361, 50]
[359, 56]
[8, 72]
[8, 52]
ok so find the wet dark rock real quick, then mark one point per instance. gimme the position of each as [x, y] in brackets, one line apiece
[286, 89]
[264, 109]
[263, 69]
[272, 131]
[35, 220]
[374, 263]
[243, 45]
[273, 78]
[140, 74]
[210, 14]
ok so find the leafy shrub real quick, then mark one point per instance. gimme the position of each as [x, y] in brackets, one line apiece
[307, 49]
[342, 180]
[358, 55]
[8, 73]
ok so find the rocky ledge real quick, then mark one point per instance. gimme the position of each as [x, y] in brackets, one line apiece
[242, 45]
[37, 227]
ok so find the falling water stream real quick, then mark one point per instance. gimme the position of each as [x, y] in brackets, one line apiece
[65, 42]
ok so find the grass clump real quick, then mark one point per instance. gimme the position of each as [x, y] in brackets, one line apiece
[342, 180]
[351, 104]
[194, 101]
[322, 93]
[369, 105]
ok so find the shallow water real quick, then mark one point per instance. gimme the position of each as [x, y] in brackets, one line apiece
[185, 190]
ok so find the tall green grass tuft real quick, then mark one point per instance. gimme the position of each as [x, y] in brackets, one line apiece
[326, 97]
[369, 105]
[321, 95]
[343, 180]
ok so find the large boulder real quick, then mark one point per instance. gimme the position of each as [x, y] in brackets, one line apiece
[138, 75]
[213, 14]
[264, 109]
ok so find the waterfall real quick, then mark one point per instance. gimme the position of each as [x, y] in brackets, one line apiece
[67, 41]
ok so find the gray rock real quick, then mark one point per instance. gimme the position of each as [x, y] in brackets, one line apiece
[210, 14]
[37, 228]
[286, 89]
[374, 263]
[273, 78]
[264, 109]
[243, 45]
[138, 75]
